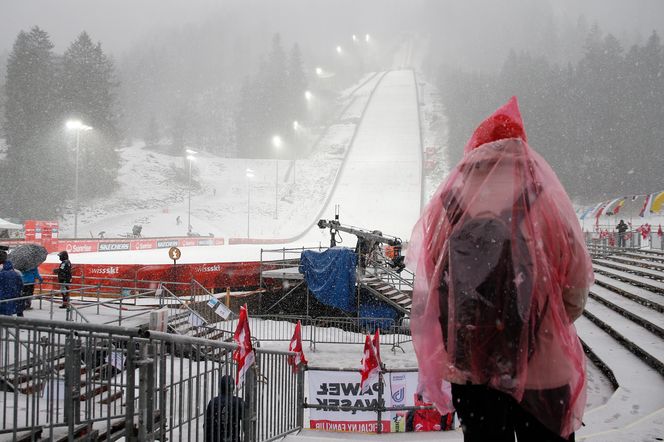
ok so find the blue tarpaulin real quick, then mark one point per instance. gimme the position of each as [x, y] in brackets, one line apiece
[330, 276]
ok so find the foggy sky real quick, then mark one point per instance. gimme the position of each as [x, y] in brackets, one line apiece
[118, 24]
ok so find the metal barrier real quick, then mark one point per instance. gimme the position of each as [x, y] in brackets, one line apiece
[64, 379]
[632, 240]
[324, 330]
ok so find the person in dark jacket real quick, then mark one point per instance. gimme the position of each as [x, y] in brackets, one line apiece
[621, 228]
[10, 287]
[224, 413]
[29, 279]
[64, 277]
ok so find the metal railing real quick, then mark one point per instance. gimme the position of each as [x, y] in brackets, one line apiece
[64, 379]
[324, 330]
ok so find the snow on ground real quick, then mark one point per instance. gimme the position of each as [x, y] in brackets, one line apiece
[377, 185]
[153, 188]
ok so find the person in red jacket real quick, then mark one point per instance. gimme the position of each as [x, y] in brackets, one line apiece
[428, 420]
[502, 273]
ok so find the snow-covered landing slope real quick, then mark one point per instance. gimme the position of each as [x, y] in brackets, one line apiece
[378, 187]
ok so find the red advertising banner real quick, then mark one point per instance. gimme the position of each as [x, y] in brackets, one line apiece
[143, 244]
[72, 246]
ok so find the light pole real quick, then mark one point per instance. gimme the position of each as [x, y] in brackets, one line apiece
[250, 174]
[191, 158]
[78, 127]
[276, 142]
[296, 129]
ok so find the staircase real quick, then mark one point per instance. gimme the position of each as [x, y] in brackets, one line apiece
[386, 284]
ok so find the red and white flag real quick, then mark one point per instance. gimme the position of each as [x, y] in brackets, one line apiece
[376, 344]
[244, 355]
[370, 366]
[296, 346]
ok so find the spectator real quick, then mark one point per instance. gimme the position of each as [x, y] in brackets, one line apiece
[223, 415]
[10, 287]
[29, 278]
[501, 275]
[428, 420]
[621, 228]
[64, 277]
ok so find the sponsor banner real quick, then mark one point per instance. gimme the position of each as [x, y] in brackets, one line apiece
[188, 242]
[195, 320]
[212, 302]
[114, 246]
[117, 359]
[207, 268]
[218, 242]
[223, 311]
[205, 242]
[143, 244]
[110, 271]
[342, 388]
[402, 388]
[167, 243]
[79, 246]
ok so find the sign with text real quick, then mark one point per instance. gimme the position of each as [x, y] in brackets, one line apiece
[342, 388]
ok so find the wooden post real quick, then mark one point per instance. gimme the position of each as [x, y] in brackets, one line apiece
[228, 297]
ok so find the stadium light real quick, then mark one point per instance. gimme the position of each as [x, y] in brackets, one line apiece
[78, 126]
[191, 159]
[249, 174]
[277, 143]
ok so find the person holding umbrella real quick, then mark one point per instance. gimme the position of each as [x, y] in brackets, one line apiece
[10, 287]
[29, 278]
[27, 258]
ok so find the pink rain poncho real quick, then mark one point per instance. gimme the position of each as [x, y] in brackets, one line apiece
[501, 274]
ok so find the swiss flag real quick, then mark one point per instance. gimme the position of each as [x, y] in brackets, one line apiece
[296, 346]
[370, 366]
[244, 355]
[376, 344]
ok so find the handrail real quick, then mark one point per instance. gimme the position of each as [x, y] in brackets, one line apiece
[171, 296]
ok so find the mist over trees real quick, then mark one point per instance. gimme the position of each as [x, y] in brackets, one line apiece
[597, 121]
[228, 83]
[270, 102]
[43, 90]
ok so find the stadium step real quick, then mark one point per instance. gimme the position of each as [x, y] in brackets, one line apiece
[650, 284]
[634, 269]
[638, 294]
[644, 255]
[634, 400]
[644, 344]
[635, 312]
[636, 262]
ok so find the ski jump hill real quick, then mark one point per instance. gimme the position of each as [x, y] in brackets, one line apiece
[378, 186]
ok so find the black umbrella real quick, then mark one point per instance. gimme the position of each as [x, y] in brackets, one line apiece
[27, 256]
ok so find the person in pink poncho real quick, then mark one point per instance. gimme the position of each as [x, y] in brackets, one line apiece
[502, 273]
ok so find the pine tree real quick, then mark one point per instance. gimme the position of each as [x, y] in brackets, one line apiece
[276, 96]
[297, 85]
[87, 92]
[152, 132]
[34, 172]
